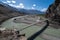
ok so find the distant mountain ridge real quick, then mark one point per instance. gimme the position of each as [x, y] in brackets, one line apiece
[25, 11]
[32, 12]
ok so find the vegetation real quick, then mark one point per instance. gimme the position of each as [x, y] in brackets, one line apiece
[41, 15]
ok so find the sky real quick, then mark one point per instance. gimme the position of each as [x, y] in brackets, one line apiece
[41, 5]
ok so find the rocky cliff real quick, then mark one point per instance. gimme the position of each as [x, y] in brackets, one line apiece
[53, 12]
[7, 12]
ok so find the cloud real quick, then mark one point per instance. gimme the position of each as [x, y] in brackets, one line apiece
[13, 1]
[21, 5]
[4, 2]
[33, 8]
[12, 5]
[43, 10]
[8, 1]
[34, 5]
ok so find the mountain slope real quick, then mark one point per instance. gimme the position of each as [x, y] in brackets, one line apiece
[7, 12]
[53, 12]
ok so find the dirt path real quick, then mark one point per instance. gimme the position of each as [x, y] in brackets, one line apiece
[49, 37]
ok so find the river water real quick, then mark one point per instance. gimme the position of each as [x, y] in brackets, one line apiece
[31, 30]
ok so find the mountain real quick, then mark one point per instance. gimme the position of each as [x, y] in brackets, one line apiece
[35, 12]
[53, 12]
[24, 11]
[30, 12]
[7, 12]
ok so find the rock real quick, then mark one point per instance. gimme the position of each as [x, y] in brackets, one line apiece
[53, 12]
